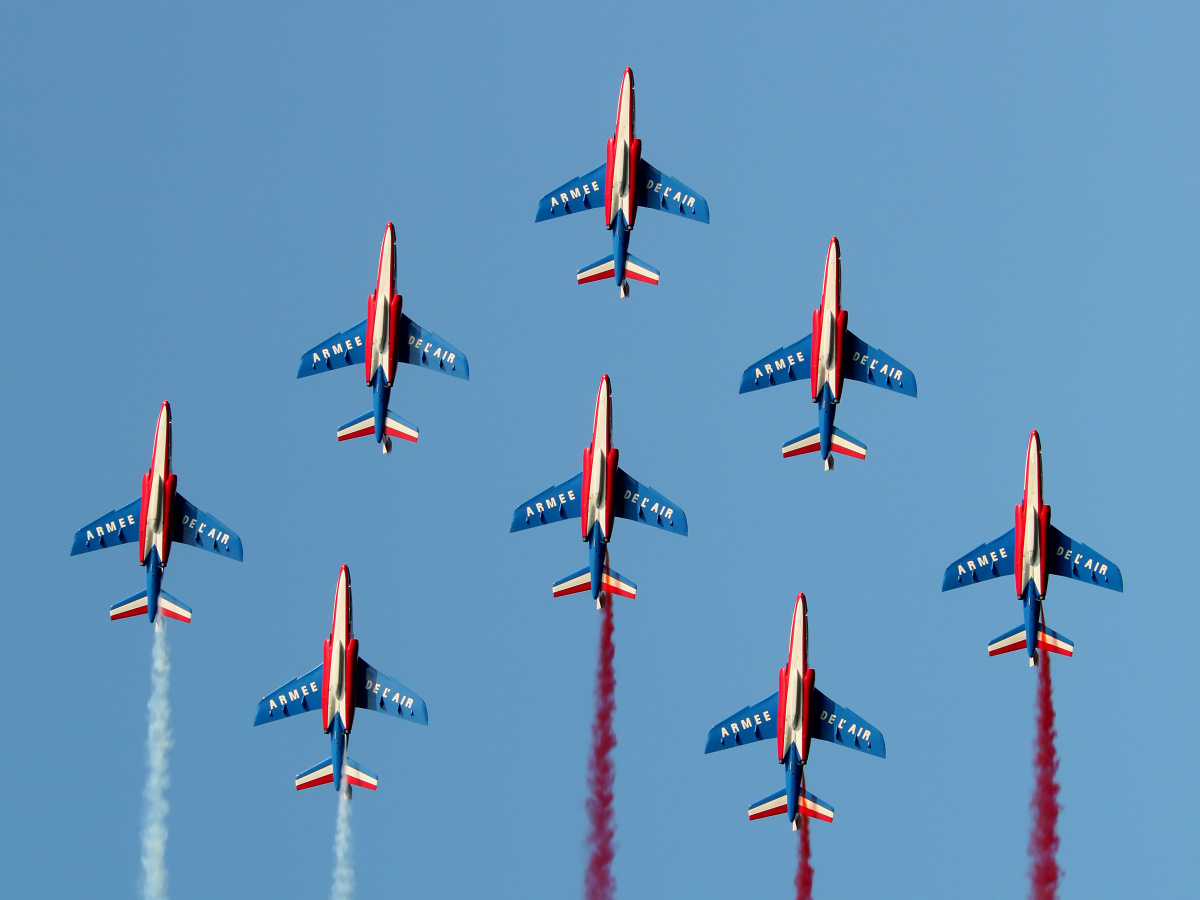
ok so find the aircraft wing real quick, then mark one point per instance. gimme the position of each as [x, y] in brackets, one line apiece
[1071, 559]
[642, 503]
[555, 504]
[197, 528]
[111, 529]
[753, 723]
[864, 363]
[427, 350]
[300, 695]
[578, 194]
[346, 348]
[659, 191]
[838, 725]
[785, 365]
[385, 694]
[987, 561]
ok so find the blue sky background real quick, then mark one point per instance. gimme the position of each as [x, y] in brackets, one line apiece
[193, 196]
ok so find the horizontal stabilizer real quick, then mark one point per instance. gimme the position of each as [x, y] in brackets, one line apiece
[321, 773]
[117, 527]
[300, 695]
[640, 271]
[554, 504]
[658, 191]
[401, 428]
[135, 605]
[1072, 559]
[839, 725]
[809, 442]
[360, 427]
[597, 271]
[196, 528]
[776, 805]
[172, 608]
[359, 776]
[642, 503]
[385, 694]
[753, 723]
[785, 365]
[840, 442]
[581, 581]
[578, 194]
[346, 348]
[991, 560]
[364, 425]
[861, 362]
[1047, 640]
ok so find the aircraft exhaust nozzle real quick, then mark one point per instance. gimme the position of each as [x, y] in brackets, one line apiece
[1033, 660]
[624, 288]
[829, 463]
[387, 445]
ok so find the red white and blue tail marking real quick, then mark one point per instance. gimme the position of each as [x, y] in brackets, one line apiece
[359, 777]
[321, 773]
[597, 271]
[809, 442]
[776, 805]
[610, 581]
[365, 425]
[1046, 639]
[134, 606]
[173, 609]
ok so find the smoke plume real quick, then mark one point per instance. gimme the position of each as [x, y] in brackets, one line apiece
[158, 742]
[343, 847]
[1044, 873]
[804, 872]
[599, 883]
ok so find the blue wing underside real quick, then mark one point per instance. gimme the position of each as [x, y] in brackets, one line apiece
[577, 195]
[117, 527]
[785, 365]
[828, 721]
[418, 347]
[987, 561]
[659, 191]
[196, 528]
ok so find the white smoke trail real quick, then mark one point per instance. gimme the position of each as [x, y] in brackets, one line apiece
[343, 859]
[158, 742]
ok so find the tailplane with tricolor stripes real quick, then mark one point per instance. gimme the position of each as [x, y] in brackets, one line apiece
[610, 583]
[393, 426]
[322, 773]
[776, 805]
[1048, 640]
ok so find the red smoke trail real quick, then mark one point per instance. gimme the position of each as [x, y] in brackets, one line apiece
[804, 872]
[1044, 873]
[599, 883]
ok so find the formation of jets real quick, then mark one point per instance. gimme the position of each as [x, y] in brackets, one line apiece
[600, 493]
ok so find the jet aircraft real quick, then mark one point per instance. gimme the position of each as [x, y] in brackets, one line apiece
[159, 517]
[1042, 550]
[794, 715]
[385, 337]
[343, 682]
[839, 354]
[594, 496]
[628, 182]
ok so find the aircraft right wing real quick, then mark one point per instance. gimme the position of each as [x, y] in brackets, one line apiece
[117, 527]
[753, 723]
[578, 194]
[555, 504]
[300, 695]
[987, 561]
[785, 365]
[659, 191]
[429, 351]
[862, 362]
[1068, 561]
[839, 725]
[385, 694]
[197, 528]
[346, 348]
[642, 503]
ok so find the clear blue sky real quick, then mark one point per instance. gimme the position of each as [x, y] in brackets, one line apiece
[191, 197]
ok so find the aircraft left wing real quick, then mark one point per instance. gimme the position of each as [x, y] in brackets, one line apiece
[753, 723]
[423, 348]
[385, 694]
[346, 348]
[117, 527]
[839, 725]
[578, 194]
[642, 503]
[862, 362]
[1072, 559]
[987, 561]
[300, 695]
[659, 191]
[785, 365]
[555, 504]
[197, 528]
